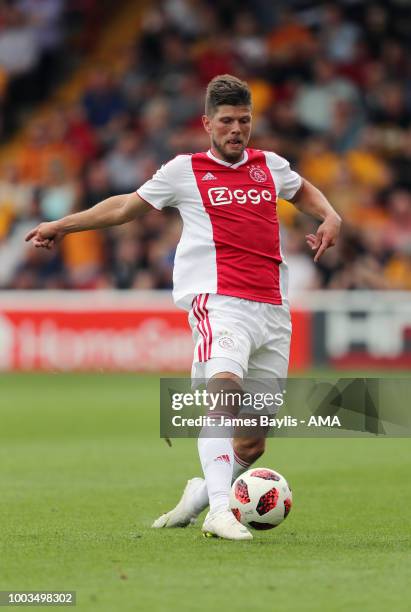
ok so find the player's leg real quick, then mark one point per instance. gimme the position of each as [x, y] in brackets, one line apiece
[246, 450]
[215, 449]
[216, 454]
[270, 362]
[220, 373]
[222, 347]
[194, 499]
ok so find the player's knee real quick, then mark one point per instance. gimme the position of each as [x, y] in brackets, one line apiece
[228, 387]
[225, 377]
[249, 449]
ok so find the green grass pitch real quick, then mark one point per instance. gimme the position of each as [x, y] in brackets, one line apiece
[83, 474]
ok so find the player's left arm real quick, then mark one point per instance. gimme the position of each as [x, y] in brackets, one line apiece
[313, 202]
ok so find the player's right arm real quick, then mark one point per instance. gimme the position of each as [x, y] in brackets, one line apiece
[116, 210]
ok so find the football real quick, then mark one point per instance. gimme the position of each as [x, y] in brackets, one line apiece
[260, 498]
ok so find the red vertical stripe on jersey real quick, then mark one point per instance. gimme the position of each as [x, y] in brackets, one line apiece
[241, 204]
[200, 329]
[203, 325]
[209, 335]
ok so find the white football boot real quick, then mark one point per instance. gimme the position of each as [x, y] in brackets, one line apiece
[224, 525]
[183, 514]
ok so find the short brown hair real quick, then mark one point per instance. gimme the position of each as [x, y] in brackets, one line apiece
[226, 89]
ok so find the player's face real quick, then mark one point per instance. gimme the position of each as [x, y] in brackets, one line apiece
[229, 129]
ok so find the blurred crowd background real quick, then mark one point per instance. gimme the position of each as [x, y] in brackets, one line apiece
[95, 95]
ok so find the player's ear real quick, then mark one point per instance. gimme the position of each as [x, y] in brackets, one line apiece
[206, 123]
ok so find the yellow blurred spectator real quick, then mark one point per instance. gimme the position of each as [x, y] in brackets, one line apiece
[15, 197]
[6, 217]
[357, 204]
[83, 257]
[44, 146]
[291, 38]
[398, 270]
[3, 82]
[365, 163]
[286, 212]
[262, 94]
[319, 164]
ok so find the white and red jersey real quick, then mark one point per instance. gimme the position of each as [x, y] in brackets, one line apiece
[230, 244]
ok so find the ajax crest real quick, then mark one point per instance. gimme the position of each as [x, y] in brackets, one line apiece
[227, 343]
[257, 174]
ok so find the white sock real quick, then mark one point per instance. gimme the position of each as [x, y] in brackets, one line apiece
[216, 456]
[200, 496]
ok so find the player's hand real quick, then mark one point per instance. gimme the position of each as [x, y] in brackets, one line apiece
[45, 235]
[325, 237]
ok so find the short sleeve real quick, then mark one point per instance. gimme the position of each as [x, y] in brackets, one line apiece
[287, 181]
[159, 191]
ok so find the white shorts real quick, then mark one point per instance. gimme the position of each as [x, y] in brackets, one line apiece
[249, 339]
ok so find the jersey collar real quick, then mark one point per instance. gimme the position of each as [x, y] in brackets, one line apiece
[227, 164]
